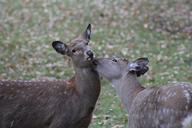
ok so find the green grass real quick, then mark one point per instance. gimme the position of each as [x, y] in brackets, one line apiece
[121, 28]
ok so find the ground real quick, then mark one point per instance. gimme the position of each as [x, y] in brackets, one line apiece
[159, 30]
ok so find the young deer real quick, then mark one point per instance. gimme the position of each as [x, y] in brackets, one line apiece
[168, 106]
[54, 104]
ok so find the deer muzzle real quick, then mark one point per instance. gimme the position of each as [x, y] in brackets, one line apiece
[90, 55]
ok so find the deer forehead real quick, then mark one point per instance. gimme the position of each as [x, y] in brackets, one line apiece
[77, 42]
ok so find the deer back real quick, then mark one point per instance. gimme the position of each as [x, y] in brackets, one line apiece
[167, 106]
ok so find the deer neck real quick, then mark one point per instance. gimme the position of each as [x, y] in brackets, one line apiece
[87, 82]
[127, 87]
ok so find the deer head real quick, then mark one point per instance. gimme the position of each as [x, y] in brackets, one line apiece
[77, 49]
[114, 69]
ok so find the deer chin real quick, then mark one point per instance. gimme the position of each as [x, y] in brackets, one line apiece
[89, 58]
[94, 61]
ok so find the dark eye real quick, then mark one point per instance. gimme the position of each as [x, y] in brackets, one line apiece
[86, 43]
[114, 60]
[73, 50]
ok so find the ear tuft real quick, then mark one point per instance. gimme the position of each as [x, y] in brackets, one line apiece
[142, 71]
[60, 47]
[87, 33]
[142, 61]
[139, 66]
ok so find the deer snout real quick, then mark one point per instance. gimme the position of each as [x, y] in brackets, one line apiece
[90, 54]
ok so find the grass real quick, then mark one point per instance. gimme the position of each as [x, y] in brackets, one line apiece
[128, 29]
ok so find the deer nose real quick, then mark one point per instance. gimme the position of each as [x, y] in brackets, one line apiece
[90, 54]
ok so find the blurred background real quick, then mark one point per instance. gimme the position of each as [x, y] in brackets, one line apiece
[158, 29]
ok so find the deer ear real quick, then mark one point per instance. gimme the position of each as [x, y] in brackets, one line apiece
[139, 66]
[60, 47]
[87, 33]
[142, 61]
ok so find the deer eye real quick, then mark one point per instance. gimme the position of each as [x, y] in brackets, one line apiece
[73, 50]
[77, 51]
[114, 60]
[86, 43]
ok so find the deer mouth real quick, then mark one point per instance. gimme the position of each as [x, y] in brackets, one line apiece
[90, 55]
[95, 62]
[90, 58]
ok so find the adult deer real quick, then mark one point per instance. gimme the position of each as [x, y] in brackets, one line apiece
[54, 104]
[168, 106]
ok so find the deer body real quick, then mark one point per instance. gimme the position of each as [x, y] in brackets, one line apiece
[165, 107]
[53, 104]
[169, 106]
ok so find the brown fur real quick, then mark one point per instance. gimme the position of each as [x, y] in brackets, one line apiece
[53, 104]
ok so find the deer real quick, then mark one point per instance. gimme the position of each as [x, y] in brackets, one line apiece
[54, 103]
[168, 106]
